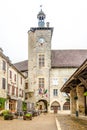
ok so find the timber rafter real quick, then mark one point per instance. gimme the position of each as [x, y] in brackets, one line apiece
[78, 78]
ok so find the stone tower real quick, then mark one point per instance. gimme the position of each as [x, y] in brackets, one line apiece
[39, 62]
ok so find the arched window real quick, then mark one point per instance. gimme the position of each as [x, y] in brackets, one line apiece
[66, 106]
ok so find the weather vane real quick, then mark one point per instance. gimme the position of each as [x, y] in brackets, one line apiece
[41, 6]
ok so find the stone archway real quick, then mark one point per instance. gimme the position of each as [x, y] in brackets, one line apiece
[42, 105]
[55, 106]
[66, 106]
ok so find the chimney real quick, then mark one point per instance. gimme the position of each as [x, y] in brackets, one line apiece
[47, 24]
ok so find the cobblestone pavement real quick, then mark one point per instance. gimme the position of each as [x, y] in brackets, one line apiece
[41, 122]
[67, 122]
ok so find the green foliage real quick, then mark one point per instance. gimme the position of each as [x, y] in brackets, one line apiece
[6, 112]
[24, 106]
[28, 115]
[85, 93]
[2, 103]
[68, 99]
[8, 117]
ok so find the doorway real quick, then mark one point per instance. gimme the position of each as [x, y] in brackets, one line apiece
[42, 105]
[55, 106]
[12, 105]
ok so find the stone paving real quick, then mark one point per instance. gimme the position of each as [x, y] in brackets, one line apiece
[41, 122]
[67, 122]
[45, 122]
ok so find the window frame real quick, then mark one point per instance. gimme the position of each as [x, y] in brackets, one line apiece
[55, 92]
[3, 65]
[41, 60]
[3, 83]
[41, 82]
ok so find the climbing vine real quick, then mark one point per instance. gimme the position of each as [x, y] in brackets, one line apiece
[24, 106]
[2, 103]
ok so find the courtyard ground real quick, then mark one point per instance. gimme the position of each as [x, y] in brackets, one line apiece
[41, 122]
[45, 122]
[66, 122]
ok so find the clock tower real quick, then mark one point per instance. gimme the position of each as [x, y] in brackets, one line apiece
[39, 63]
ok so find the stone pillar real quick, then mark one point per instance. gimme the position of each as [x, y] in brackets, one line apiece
[80, 101]
[72, 101]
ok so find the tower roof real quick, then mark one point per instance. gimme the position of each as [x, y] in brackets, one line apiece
[41, 14]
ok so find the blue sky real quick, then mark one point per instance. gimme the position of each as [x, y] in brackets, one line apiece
[68, 17]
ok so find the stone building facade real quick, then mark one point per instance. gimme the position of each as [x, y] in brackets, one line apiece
[43, 74]
[12, 84]
[48, 69]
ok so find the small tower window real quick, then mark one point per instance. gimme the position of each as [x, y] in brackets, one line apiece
[41, 82]
[41, 60]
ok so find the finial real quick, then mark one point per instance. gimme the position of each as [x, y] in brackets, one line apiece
[41, 7]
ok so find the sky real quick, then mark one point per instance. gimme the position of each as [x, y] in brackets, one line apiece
[67, 17]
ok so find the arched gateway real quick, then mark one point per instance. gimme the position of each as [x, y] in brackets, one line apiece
[55, 106]
[42, 105]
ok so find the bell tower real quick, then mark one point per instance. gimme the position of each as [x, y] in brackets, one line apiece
[41, 17]
[39, 62]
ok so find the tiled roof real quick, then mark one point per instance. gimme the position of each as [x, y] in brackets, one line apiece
[22, 66]
[68, 58]
[60, 58]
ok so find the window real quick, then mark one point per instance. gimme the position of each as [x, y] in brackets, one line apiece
[41, 60]
[13, 90]
[41, 82]
[8, 89]
[3, 65]
[64, 94]
[22, 93]
[55, 81]
[3, 83]
[21, 80]
[26, 85]
[65, 79]
[66, 106]
[17, 91]
[55, 92]
[15, 77]
[26, 95]
[41, 86]
[10, 74]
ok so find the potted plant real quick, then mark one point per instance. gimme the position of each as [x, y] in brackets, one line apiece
[76, 97]
[27, 116]
[7, 115]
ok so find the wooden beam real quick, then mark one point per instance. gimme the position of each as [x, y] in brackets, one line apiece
[84, 82]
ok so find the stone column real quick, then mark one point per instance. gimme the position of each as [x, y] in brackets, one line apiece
[80, 101]
[72, 101]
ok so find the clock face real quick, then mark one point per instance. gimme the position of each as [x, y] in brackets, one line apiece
[41, 40]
